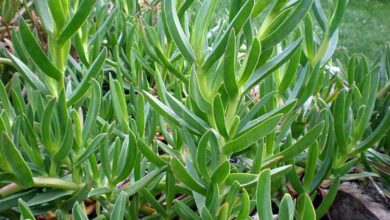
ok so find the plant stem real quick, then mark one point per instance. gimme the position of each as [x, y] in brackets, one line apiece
[6, 61]
[384, 90]
[26, 7]
[39, 182]
[60, 63]
[231, 110]
[206, 92]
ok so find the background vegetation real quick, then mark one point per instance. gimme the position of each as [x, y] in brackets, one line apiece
[365, 27]
[183, 109]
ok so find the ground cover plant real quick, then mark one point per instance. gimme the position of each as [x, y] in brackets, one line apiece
[153, 110]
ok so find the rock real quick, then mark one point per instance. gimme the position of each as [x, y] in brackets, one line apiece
[359, 202]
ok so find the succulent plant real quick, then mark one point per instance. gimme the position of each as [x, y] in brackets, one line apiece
[163, 110]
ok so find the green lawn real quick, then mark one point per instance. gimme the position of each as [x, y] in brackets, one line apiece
[366, 27]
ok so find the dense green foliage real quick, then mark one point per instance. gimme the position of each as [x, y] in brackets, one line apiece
[148, 109]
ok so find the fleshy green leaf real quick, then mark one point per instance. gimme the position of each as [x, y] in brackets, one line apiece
[339, 120]
[186, 114]
[57, 13]
[185, 212]
[118, 212]
[229, 70]
[36, 53]
[78, 18]
[302, 143]
[66, 145]
[331, 34]
[248, 179]
[78, 213]
[245, 206]
[312, 157]
[15, 160]
[197, 95]
[328, 200]
[30, 76]
[237, 23]
[201, 24]
[263, 196]
[252, 136]
[182, 174]
[305, 208]
[140, 114]
[92, 147]
[176, 30]
[48, 196]
[221, 173]
[131, 152]
[5, 102]
[85, 83]
[201, 155]
[291, 71]
[44, 14]
[93, 109]
[266, 69]
[206, 215]
[219, 115]
[25, 210]
[79, 196]
[250, 63]
[143, 182]
[166, 111]
[148, 153]
[153, 201]
[289, 24]
[212, 197]
[119, 103]
[223, 212]
[375, 136]
[286, 208]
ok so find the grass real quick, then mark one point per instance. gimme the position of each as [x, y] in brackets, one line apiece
[365, 28]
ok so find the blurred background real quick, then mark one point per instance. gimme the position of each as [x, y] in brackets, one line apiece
[366, 27]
